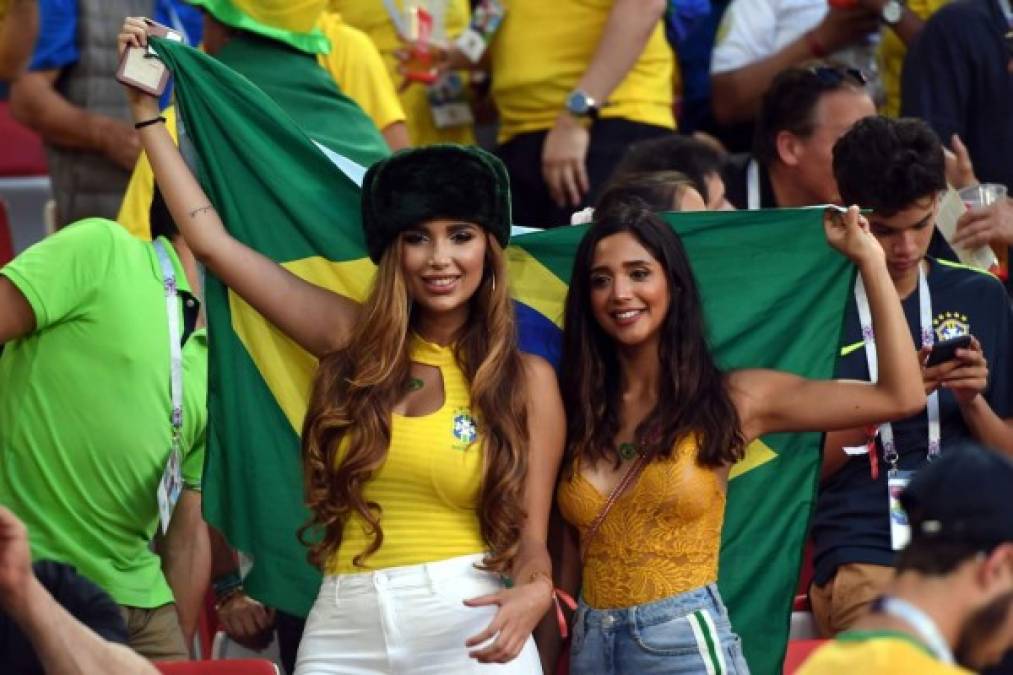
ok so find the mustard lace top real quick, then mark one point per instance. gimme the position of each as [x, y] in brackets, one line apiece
[661, 537]
[428, 486]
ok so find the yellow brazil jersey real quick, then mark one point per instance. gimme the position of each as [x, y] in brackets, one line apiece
[429, 484]
[542, 50]
[875, 653]
[357, 67]
[892, 52]
[373, 19]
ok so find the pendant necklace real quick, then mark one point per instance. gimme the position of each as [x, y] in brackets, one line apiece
[628, 450]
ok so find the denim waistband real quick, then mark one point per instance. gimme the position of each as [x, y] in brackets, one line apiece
[658, 611]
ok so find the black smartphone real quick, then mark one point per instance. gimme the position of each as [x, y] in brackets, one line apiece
[947, 349]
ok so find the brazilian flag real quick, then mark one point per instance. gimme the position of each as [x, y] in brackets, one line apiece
[285, 181]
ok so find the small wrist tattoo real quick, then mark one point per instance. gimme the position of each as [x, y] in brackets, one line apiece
[196, 212]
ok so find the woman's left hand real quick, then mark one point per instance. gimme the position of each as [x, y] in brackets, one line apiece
[848, 232]
[520, 610]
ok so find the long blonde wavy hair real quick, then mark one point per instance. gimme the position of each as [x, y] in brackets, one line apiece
[357, 387]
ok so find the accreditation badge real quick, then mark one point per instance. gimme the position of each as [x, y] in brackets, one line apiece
[900, 526]
[485, 21]
[170, 487]
[448, 102]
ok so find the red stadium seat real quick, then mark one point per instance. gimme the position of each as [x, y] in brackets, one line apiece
[207, 626]
[803, 625]
[805, 577]
[6, 244]
[798, 652]
[22, 154]
[237, 667]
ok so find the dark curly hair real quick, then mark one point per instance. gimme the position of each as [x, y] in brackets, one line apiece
[791, 100]
[887, 165]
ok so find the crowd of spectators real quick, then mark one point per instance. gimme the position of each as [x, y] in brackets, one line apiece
[894, 106]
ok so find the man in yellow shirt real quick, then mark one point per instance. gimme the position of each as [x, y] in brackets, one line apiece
[576, 82]
[386, 22]
[358, 68]
[893, 49]
[951, 601]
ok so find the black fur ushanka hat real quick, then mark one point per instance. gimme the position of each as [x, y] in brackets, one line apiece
[460, 182]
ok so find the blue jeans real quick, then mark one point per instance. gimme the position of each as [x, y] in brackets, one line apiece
[686, 633]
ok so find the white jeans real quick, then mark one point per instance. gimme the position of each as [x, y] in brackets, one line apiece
[404, 620]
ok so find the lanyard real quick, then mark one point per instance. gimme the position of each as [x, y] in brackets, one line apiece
[394, 12]
[925, 320]
[437, 9]
[1007, 11]
[752, 185]
[175, 348]
[923, 625]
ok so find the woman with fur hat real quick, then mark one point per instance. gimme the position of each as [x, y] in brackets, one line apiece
[431, 445]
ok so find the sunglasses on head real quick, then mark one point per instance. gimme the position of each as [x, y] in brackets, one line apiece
[834, 75]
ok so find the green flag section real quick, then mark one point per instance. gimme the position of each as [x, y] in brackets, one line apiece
[774, 294]
[258, 162]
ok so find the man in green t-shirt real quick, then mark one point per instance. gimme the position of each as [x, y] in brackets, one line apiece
[86, 410]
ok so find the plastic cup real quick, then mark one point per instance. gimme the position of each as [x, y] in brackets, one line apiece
[985, 195]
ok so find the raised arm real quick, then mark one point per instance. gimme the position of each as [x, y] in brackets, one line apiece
[740, 77]
[768, 401]
[63, 645]
[317, 319]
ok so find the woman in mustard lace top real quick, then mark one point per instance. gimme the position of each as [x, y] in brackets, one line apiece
[641, 390]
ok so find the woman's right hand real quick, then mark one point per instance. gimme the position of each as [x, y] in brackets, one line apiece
[848, 232]
[134, 33]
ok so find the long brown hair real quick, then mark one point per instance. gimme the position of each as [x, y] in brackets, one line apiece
[692, 398]
[357, 387]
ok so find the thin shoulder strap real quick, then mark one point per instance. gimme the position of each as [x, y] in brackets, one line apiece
[631, 475]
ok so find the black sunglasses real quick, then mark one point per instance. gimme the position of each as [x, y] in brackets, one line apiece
[834, 75]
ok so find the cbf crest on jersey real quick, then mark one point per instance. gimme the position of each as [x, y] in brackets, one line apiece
[465, 429]
[950, 325]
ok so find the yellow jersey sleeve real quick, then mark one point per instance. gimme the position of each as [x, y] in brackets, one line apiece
[875, 654]
[135, 211]
[542, 50]
[356, 66]
[892, 52]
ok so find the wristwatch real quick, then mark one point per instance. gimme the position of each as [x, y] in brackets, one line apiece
[580, 104]
[892, 12]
